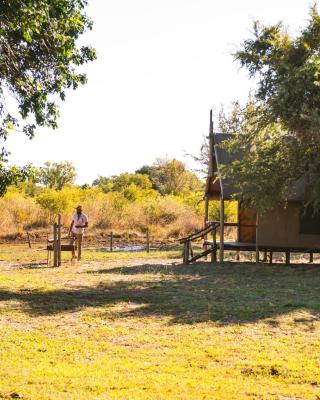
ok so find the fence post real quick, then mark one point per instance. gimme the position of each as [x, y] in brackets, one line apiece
[29, 243]
[111, 241]
[59, 240]
[148, 241]
[55, 246]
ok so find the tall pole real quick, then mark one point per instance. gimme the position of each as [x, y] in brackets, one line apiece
[211, 146]
[210, 177]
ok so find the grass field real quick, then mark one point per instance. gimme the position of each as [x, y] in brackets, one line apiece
[139, 326]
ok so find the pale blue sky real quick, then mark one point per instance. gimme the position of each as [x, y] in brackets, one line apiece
[162, 64]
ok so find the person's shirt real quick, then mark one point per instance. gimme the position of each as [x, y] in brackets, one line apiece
[81, 219]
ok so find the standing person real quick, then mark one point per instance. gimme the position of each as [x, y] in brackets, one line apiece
[77, 227]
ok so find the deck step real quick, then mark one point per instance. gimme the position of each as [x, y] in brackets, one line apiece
[203, 254]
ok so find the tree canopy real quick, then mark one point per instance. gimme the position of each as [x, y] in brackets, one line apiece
[38, 62]
[172, 177]
[165, 176]
[56, 175]
[278, 129]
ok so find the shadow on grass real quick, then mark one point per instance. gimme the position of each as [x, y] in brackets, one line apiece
[31, 265]
[233, 294]
[167, 252]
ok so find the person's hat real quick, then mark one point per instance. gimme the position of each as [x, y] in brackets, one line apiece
[78, 207]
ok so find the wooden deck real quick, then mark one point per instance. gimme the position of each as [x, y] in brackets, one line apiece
[241, 246]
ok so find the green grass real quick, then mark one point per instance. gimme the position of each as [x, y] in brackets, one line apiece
[143, 326]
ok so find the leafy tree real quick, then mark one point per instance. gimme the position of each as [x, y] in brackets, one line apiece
[57, 175]
[12, 175]
[39, 60]
[172, 177]
[145, 170]
[105, 183]
[124, 180]
[279, 127]
[55, 202]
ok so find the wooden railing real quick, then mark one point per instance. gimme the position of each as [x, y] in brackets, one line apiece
[188, 253]
[235, 224]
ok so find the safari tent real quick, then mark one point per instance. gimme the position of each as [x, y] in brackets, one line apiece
[288, 228]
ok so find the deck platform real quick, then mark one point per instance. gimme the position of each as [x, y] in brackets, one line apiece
[241, 246]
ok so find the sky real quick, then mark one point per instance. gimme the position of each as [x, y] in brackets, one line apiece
[162, 65]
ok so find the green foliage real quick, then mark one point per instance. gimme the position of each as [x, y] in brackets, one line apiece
[289, 74]
[56, 175]
[39, 56]
[105, 183]
[12, 175]
[172, 177]
[39, 60]
[56, 202]
[277, 132]
[145, 170]
[125, 202]
[132, 186]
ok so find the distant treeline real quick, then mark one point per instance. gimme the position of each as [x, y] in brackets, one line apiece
[165, 198]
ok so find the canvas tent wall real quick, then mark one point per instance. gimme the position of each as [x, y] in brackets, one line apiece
[288, 225]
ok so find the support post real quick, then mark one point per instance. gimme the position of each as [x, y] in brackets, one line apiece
[271, 254]
[184, 252]
[221, 230]
[148, 241]
[214, 244]
[111, 241]
[206, 217]
[287, 257]
[311, 257]
[265, 256]
[206, 211]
